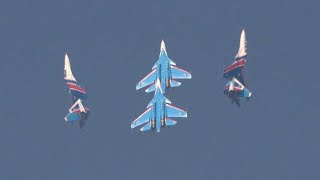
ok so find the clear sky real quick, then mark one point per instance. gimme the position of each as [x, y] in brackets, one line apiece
[113, 44]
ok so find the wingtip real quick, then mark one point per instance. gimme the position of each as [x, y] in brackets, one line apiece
[186, 112]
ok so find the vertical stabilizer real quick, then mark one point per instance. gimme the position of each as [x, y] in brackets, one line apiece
[77, 106]
[239, 84]
[243, 46]
[67, 69]
[74, 111]
[231, 86]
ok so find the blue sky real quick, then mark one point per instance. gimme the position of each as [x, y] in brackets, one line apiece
[113, 44]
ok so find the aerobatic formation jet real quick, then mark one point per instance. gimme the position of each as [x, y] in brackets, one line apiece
[159, 112]
[236, 87]
[79, 110]
[165, 70]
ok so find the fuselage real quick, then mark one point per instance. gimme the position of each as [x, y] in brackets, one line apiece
[164, 70]
[159, 115]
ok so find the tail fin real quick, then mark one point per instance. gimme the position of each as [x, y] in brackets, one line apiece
[231, 86]
[74, 111]
[77, 107]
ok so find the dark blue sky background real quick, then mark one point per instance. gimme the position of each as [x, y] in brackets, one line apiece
[113, 44]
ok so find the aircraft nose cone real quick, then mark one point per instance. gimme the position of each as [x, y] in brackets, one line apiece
[163, 46]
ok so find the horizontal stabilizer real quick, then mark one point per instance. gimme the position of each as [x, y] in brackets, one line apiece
[178, 73]
[173, 111]
[149, 79]
[146, 127]
[143, 118]
[175, 83]
[151, 88]
[170, 122]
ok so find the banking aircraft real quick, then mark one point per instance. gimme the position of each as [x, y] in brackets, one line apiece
[79, 110]
[235, 88]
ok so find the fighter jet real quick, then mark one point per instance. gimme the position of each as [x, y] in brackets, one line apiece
[165, 70]
[79, 110]
[235, 88]
[159, 112]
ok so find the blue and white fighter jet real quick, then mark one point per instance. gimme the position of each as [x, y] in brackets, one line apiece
[79, 110]
[159, 112]
[166, 71]
[236, 87]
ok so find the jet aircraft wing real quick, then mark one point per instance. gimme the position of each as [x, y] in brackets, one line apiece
[143, 118]
[149, 79]
[178, 73]
[173, 111]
